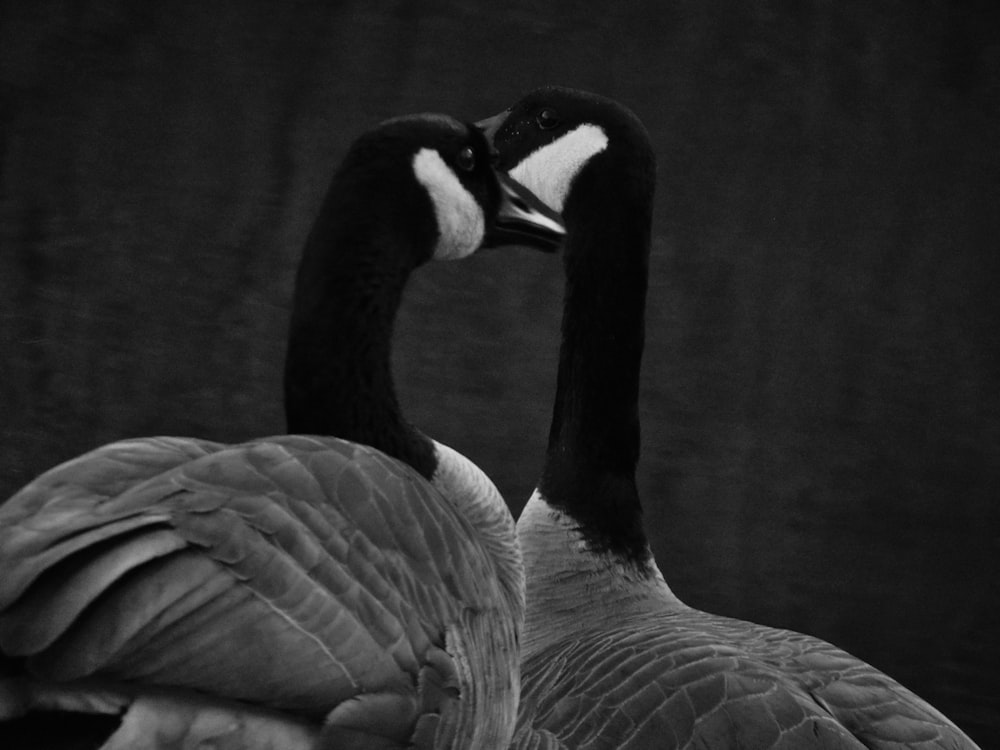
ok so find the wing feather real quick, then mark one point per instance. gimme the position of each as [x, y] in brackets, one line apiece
[49, 608]
[291, 572]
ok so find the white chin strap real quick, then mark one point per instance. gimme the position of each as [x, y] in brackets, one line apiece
[549, 171]
[460, 220]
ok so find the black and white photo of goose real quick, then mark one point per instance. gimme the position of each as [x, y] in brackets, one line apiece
[818, 391]
[351, 584]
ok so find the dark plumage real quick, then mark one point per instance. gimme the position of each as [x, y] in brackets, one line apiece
[356, 591]
[611, 657]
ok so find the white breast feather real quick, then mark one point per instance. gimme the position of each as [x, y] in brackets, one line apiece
[460, 221]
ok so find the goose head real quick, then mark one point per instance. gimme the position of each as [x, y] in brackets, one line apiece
[413, 189]
[581, 153]
[429, 183]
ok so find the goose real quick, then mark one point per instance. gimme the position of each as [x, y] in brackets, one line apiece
[302, 590]
[611, 657]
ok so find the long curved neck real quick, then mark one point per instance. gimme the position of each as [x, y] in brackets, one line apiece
[593, 447]
[338, 368]
[586, 557]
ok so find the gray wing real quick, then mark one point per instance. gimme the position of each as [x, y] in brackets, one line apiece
[290, 573]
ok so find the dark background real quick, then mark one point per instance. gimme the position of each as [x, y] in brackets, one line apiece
[821, 389]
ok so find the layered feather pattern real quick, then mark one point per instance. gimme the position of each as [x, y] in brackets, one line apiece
[612, 659]
[291, 573]
[689, 679]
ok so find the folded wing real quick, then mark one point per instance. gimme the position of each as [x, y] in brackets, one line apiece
[290, 573]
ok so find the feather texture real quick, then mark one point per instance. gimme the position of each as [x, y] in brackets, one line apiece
[292, 591]
[689, 679]
[611, 658]
[290, 572]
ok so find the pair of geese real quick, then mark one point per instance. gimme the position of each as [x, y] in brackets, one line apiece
[370, 590]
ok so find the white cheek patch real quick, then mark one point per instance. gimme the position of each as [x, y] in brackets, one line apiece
[460, 221]
[549, 171]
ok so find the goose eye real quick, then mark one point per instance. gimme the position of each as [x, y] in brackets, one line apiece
[547, 119]
[466, 160]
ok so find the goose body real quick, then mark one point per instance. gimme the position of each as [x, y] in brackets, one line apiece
[611, 658]
[303, 590]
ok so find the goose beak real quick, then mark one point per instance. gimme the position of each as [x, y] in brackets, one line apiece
[491, 125]
[522, 219]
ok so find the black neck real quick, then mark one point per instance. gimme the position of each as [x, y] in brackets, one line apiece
[594, 440]
[338, 369]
